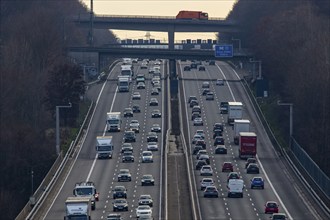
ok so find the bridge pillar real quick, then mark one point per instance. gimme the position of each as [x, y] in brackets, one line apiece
[171, 40]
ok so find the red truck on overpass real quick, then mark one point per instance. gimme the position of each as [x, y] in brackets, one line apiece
[247, 145]
[192, 15]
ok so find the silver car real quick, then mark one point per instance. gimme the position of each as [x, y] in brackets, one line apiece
[198, 122]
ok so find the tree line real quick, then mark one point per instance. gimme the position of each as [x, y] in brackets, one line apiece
[35, 76]
[292, 40]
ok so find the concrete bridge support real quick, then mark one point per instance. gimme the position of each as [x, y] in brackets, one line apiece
[171, 39]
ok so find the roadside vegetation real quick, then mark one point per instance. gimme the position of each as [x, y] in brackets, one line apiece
[35, 76]
[292, 40]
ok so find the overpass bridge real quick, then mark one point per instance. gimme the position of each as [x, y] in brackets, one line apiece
[159, 24]
[157, 53]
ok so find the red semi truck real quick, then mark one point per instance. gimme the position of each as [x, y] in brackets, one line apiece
[247, 145]
[192, 15]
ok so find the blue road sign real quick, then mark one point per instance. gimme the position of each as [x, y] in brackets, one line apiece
[225, 50]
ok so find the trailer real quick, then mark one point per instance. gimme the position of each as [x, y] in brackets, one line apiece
[78, 208]
[199, 15]
[247, 145]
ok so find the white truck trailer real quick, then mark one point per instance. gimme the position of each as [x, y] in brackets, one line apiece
[87, 190]
[127, 70]
[78, 208]
[235, 188]
[240, 125]
[235, 111]
[123, 83]
[113, 121]
[104, 147]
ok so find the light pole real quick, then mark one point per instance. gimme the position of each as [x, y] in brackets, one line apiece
[291, 118]
[239, 43]
[257, 61]
[32, 198]
[58, 125]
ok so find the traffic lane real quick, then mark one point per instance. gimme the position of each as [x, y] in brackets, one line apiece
[135, 169]
[284, 180]
[86, 156]
[105, 172]
[218, 177]
[210, 144]
[104, 169]
[207, 207]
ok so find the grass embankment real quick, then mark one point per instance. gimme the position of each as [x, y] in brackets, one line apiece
[72, 132]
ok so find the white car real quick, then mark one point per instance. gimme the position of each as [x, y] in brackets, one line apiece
[141, 85]
[201, 133]
[144, 66]
[136, 95]
[196, 138]
[156, 83]
[153, 102]
[198, 122]
[206, 182]
[206, 85]
[147, 157]
[134, 123]
[143, 210]
[152, 146]
[156, 113]
[200, 152]
[157, 62]
[206, 170]
[220, 82]
[156, 128]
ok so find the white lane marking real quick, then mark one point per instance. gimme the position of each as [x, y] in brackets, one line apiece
[231, 92]
[262, 168]
[105, 130]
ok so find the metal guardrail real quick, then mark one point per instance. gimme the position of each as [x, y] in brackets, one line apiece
[278, 146]
[41, 189]
[312, 169]
[51, 177]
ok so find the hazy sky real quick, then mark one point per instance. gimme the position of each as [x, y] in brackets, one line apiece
[215, 8]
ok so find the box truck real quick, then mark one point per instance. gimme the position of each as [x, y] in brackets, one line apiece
[240, 125]
[247, 145]
[87, 190]
[104, 147]
[235, 111]
[113, 121]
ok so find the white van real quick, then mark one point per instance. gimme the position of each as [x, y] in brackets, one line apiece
[235, 187]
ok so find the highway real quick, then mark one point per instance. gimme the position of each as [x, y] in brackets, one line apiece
[279, 185]
[104, 172]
